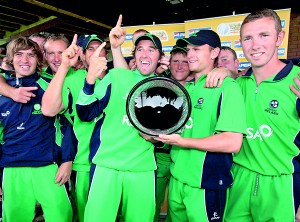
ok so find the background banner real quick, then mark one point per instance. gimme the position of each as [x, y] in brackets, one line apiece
[228, 28]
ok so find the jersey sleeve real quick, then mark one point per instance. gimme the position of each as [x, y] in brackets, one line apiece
[232, 116]
[93, 100]
[66, 92]
[69, 143]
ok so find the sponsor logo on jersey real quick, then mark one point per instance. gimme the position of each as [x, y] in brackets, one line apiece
[125, 121]
[5, 114]
[199, 103]
[21, 126]
[273, 105]
[37, 109]
[125, 97]
[189, 123]
[261, 133]
[215, 216]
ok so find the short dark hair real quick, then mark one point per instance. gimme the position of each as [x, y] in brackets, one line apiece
[231, 50]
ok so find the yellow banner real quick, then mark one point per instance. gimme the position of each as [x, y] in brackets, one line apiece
[228, 28]
[168, 34]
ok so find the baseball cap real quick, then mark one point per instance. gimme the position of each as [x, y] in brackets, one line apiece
[84, 40]
[202, 37]
[177, 48]
[156, 41]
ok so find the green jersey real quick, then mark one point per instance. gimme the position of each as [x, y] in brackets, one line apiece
[73, 82]
[271, 146]
[119, 146]
[214, 110]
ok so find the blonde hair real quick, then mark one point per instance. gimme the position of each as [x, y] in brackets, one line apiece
[24, 43]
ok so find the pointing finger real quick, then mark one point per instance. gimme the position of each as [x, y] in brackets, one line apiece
[31, 88]
[98, 50]
[119, 22]
[74, 41]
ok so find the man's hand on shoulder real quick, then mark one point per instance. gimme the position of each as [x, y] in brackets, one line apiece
[296, 89]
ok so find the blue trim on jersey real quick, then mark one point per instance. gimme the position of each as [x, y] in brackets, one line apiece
[95, 138]
[219, 106]
[283, 73]
[221, 178]
[49, 71]
[296, 190]
[29, 136]
[88, 88]
[212, 178]
[95, 108]
[69, 144]
[215, 201]
[70, 107]
[249, 72]
[92, 171]
[298, 106]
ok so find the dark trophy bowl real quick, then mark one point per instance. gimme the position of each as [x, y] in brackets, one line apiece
[158, 105]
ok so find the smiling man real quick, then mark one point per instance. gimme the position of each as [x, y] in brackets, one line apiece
[29, 152]
[123, 157]
[202, 154]
[267, 169]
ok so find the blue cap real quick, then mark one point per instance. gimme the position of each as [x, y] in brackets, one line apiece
[202, 37]
[156, 41]
[177, 48]
[84, 40]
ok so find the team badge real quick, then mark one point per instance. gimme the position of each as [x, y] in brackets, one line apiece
[199, 103]
[272, 109]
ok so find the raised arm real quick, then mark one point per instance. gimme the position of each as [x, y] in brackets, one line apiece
[117, 37]
[52, 99]
[87, 106]
[97, 65]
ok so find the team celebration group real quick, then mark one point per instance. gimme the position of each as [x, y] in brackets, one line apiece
[68, 147]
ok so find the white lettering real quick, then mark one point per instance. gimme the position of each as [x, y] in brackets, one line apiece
[257, 134]
[125, 120]
[5, 114]
[189, 123]
[264, 131]
[249, 132]
[215, 217]
[21, 127]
